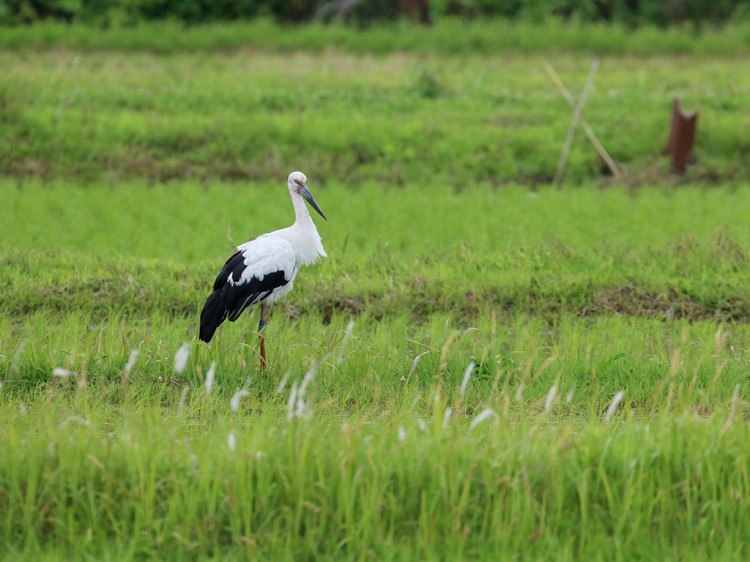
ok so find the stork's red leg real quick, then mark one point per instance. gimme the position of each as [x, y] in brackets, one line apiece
[262, 332]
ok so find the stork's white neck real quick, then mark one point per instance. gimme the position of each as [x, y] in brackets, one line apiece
[302, 235]
[301, 212]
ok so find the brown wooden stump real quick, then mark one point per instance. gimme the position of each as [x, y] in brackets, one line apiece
[416, 10]
[681, 138]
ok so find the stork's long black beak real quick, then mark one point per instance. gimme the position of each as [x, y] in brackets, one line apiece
[310, 199]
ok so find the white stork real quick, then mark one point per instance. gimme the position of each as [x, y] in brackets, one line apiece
[264, 269]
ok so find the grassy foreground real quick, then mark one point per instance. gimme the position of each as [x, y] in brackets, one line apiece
[411, 409]
[132, 472]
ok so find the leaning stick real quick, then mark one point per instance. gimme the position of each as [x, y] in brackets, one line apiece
[574, 124]
[582, 121]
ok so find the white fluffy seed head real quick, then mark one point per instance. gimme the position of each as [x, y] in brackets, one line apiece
[282, 384]
[80, 420]
[237, 398]
[550, 398]
[347, 335]
[303, 408]
[131, 361]
[416, 362]
[447, 416]
[613, 406]
[210, 375]
[308, 378]
[466, 379]
[181, 358]
[481, 416]
[733, 404]
[292, 401]
[183, 396]
[300, 408]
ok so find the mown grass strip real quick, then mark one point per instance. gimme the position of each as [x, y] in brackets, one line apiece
[105, 118]
[419, 250]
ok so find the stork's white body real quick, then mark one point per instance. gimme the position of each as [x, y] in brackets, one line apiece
[263, 269]
[282, 250]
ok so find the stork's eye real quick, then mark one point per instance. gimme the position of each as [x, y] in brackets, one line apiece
[298, 182]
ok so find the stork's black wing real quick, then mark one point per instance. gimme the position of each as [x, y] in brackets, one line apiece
[229, 299]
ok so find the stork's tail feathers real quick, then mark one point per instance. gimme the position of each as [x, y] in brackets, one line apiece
[213, 314]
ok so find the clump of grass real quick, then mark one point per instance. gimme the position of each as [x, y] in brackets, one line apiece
[427, 83]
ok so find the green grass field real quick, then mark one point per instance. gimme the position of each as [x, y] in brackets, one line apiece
[484, 368]
[394, 119]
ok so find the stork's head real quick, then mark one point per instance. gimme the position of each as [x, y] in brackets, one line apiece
[298, 185]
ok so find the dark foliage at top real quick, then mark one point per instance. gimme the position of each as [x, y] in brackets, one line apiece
[363, 12]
